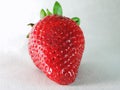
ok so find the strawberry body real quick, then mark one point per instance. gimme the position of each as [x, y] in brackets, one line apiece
[56, 45]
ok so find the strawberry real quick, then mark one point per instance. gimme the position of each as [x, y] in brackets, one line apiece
[56, 44]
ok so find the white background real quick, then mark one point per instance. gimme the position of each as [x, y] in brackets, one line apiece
[100, 66]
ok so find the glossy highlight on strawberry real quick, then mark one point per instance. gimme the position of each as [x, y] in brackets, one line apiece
[56, 45]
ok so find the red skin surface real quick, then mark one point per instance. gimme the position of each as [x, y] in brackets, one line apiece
[56, 45]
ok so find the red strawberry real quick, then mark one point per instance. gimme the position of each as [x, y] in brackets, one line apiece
[56, 45]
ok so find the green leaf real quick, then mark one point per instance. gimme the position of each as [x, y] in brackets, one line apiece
[48, 12]
[27, 36]
[42, 13]
[57, 9]
[76, 19]
[31, 24]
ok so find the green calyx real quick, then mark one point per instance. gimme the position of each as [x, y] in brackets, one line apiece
[76, 19]
[31, 25]
[42, 13]
[57, 10]
[48, 12]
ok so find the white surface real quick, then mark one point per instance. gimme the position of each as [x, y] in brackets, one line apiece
[100, 67]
